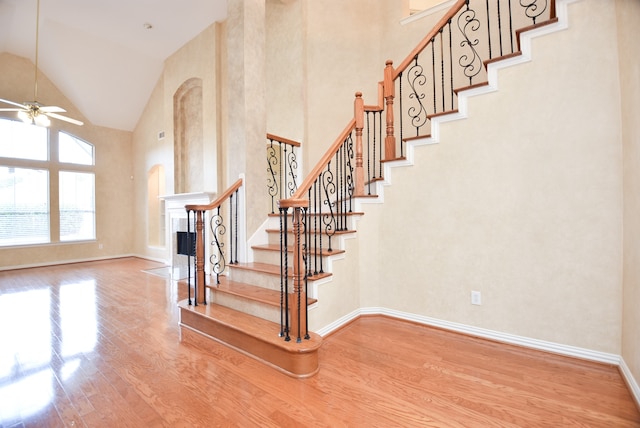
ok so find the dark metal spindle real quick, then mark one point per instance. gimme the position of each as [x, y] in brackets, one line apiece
[442, 68]
[451, 62]
[401, 116]
[489, 29]
[511, 26]
[433, 73]
[236, 228]
[369, 155]
[283, 263]
[499, 27]
[191, 246]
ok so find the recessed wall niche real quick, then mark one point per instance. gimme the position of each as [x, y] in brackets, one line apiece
[188, 137]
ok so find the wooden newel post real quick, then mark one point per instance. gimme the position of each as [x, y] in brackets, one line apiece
[199, 258]
[297, 295]
[389, 95]
[358, 111]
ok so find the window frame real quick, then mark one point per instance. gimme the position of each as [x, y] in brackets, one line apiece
[54, 167]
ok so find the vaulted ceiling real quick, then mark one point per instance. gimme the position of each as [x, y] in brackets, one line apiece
[102, 54]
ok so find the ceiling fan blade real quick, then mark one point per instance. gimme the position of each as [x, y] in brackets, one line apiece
[22, 106]
[66, 119]
[52, 109]
[12, 109]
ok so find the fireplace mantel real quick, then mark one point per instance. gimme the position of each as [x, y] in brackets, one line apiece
[176, 220]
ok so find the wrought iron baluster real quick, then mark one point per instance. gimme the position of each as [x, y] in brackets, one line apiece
[470, 62]
[499, 27]
[532, 9]
[284, 259]
[292, 162]
[488, 27]
[451, 61]
[217, 258]
[511, 26]
[442, 67]
[272, 180]
[191, 248]
[433, 73]
[350, 180]
[329, 188]
[369, 154]
[236, 228]
[382, 142]
[375, 163]
[416, 80]
[401, 116]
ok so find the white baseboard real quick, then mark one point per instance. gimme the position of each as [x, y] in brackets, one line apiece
[630, 380]
[70, 261]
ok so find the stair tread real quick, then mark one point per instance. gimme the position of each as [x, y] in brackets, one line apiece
[253, 326]
[272, 269]
[347, 213]
[313, 231]
[276, 248]
[252, 292]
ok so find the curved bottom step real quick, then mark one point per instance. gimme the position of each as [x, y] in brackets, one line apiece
[253, 336]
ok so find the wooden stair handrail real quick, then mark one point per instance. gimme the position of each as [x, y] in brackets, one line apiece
[283, 140]
[427, 39]
[218, 201]
[315, 173]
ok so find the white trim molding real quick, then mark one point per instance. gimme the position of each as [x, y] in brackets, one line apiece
[630, 380]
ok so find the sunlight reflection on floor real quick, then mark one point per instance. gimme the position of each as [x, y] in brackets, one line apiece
[35, 324]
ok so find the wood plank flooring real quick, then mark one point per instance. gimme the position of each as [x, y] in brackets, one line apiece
[98, 345]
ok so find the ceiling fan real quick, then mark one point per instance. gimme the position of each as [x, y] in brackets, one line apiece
[32, 111]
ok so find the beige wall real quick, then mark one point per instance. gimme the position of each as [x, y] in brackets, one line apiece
[628, 15]
[113, 169]
[527, 210]
[197, 59]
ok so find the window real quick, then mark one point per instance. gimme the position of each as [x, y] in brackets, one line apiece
[77, 206]
[39, 165]
[24, 206]
[74, 150]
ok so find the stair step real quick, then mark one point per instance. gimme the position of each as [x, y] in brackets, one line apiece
[250, 292]
[253, 336]
[273, 270]
[276, 248]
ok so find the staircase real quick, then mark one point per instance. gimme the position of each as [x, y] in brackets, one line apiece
[246, 305]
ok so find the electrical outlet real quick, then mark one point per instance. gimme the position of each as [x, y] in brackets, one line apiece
[99, 246]
[476, 298]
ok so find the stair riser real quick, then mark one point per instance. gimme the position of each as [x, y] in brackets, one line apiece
[267, 256]
[336, 241]
[238, 303]
[258, 279]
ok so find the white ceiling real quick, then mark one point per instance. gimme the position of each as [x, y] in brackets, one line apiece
[98, 53]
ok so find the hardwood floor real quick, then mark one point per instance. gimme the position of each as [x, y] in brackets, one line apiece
[98, 345]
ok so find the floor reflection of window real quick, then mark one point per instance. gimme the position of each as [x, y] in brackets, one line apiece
[27, 396]
[26, 331]
[35, 324]
[78, 317]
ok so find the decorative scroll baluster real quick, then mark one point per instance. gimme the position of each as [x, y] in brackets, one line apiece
[282, 168]
[417, 79]
[217, 258]
[470, 62]
[218, 230]
[533, 10]
[272, 180]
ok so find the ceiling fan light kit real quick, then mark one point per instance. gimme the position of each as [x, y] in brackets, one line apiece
[33, 112]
